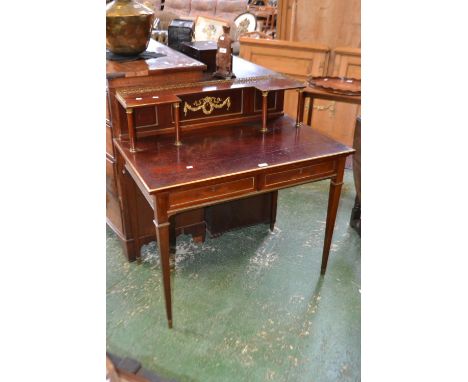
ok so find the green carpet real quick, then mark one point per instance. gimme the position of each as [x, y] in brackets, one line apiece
[249, 305]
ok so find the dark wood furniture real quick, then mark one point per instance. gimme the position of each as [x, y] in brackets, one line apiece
[209, 103]
[173, 70]
[222, 217]
[203, 51]
[214, 142]
[229, 163]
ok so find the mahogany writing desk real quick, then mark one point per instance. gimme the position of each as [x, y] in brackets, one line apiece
[229, 163]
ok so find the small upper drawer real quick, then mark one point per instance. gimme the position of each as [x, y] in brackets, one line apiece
[200, 195]
[297, 175]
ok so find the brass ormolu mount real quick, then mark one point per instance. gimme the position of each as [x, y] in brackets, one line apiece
[208, 104]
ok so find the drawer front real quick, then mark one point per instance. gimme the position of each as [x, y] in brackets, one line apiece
[200, 195]
[298, 175]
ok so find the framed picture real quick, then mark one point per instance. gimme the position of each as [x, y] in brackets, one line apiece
[245, 22]
[208, 28]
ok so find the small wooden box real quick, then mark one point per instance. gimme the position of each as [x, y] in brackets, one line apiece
[203, 51]
[179, 31]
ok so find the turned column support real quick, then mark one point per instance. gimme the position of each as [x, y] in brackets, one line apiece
[264, 111]
[176, 106]
[300, 107]
[131, 129]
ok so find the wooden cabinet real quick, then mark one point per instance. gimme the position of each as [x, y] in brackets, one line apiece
[330, 22]
[346, 62]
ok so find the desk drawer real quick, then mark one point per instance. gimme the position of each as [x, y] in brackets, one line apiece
[214, 192]
[298, 175]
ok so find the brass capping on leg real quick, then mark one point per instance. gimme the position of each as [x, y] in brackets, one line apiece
[132, 150]
[177, 143]
[264, 93]
[299, 124]
[336, 184]
[129, 110]
[176, 105]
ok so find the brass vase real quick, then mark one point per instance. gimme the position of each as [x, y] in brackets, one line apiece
[128, 27]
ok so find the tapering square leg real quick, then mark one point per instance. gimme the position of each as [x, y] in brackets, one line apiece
[333, 201]
[172, 242]
[273, 206]
[162, 234]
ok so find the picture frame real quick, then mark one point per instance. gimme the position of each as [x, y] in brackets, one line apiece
[246, 22]
[209, 28]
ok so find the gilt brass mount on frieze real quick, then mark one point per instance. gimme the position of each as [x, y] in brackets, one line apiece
[208, 104]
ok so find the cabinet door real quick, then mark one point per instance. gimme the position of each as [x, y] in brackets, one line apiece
[337, 119]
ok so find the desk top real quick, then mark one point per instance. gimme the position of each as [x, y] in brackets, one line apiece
[224, 152]
[173, 61]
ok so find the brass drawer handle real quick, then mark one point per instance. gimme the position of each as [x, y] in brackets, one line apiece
[330, 108]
